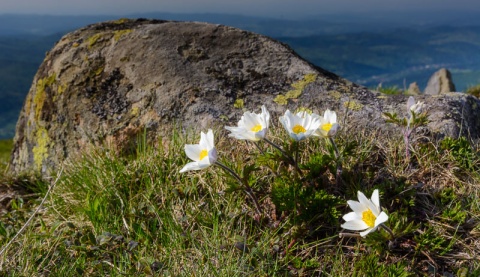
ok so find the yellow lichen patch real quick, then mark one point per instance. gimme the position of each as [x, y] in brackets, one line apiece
[93, 39]
[40, 149]
[293, 94]
[335, 94]
[28, 103]
[238, 103]
[75, 44]
[121, 21]
[61, 88]
[281, 100]
[98, 71]
[135, 111]
[297, 89]
[40, 94]
[118, 34]
[353, 105]
[303, 109]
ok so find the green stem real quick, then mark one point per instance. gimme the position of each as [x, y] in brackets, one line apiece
[292, 160]
[248, 190]
[338, 173]
[388, 230]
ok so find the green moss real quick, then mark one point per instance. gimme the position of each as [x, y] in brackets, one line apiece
[297, 89]
[40, 94]
[118, 34]
[40, 149]
[93, 39]
[238, 103]
[353, 105]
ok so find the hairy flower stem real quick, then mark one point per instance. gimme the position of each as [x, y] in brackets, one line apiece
[292, 160]
[388, 230]
[247, 188]
[406, 139]
[338, 175]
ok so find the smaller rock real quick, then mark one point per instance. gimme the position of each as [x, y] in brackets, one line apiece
[440, 83]
[413, 89]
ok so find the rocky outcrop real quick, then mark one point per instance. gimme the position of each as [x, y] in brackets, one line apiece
[108, 83]
[413, 89]
[440, 83]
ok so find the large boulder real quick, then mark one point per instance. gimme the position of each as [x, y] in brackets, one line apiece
[108, 83]
[440, 83]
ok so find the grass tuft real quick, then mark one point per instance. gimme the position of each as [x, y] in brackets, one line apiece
[136, 215]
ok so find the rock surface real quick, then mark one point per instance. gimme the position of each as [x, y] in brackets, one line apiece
[413, 89]
[109, 82]
[440, 83]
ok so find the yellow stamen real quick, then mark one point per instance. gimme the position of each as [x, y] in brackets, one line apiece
[327, 126]
[298, 129]
[369, 218]
[203, 154]
[256, 128]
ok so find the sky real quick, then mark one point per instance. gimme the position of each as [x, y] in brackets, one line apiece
[267, 8]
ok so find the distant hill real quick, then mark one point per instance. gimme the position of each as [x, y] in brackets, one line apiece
[396, 57]
[366, 49]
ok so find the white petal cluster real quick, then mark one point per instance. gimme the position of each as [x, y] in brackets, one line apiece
[366, 215]
[414, 107]
[300, 125]
[203, 154]
[328, 124]
[252, 126]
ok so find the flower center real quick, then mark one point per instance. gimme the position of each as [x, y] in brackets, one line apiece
[256, 128]
[297, 129]
[327, 126]
[369, 218]
[203, 154]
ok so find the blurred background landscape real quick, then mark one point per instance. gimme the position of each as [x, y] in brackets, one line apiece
[368, 48]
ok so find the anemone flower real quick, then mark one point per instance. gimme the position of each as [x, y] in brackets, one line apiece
[301, 125]
[251, 126]
[328, 124]
[414, 107]
[203, 154]
[366, 214]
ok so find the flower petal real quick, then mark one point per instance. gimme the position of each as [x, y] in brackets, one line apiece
[355, 225]
[375, 198]
[381, 218]
[191, 166]
[210, 139]
[357, 207]
[410, 102]
[193, 151]
[351, 216]
[368, 203]
[366, 232]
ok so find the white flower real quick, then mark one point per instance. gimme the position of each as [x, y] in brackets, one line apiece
[328, 124]
[366, 214]
[301, 125]
[414, 107]
[203, 154]
[251, 126]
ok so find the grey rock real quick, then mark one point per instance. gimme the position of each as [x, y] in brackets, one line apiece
[440, 83]
[108, 83]
[413, 89]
